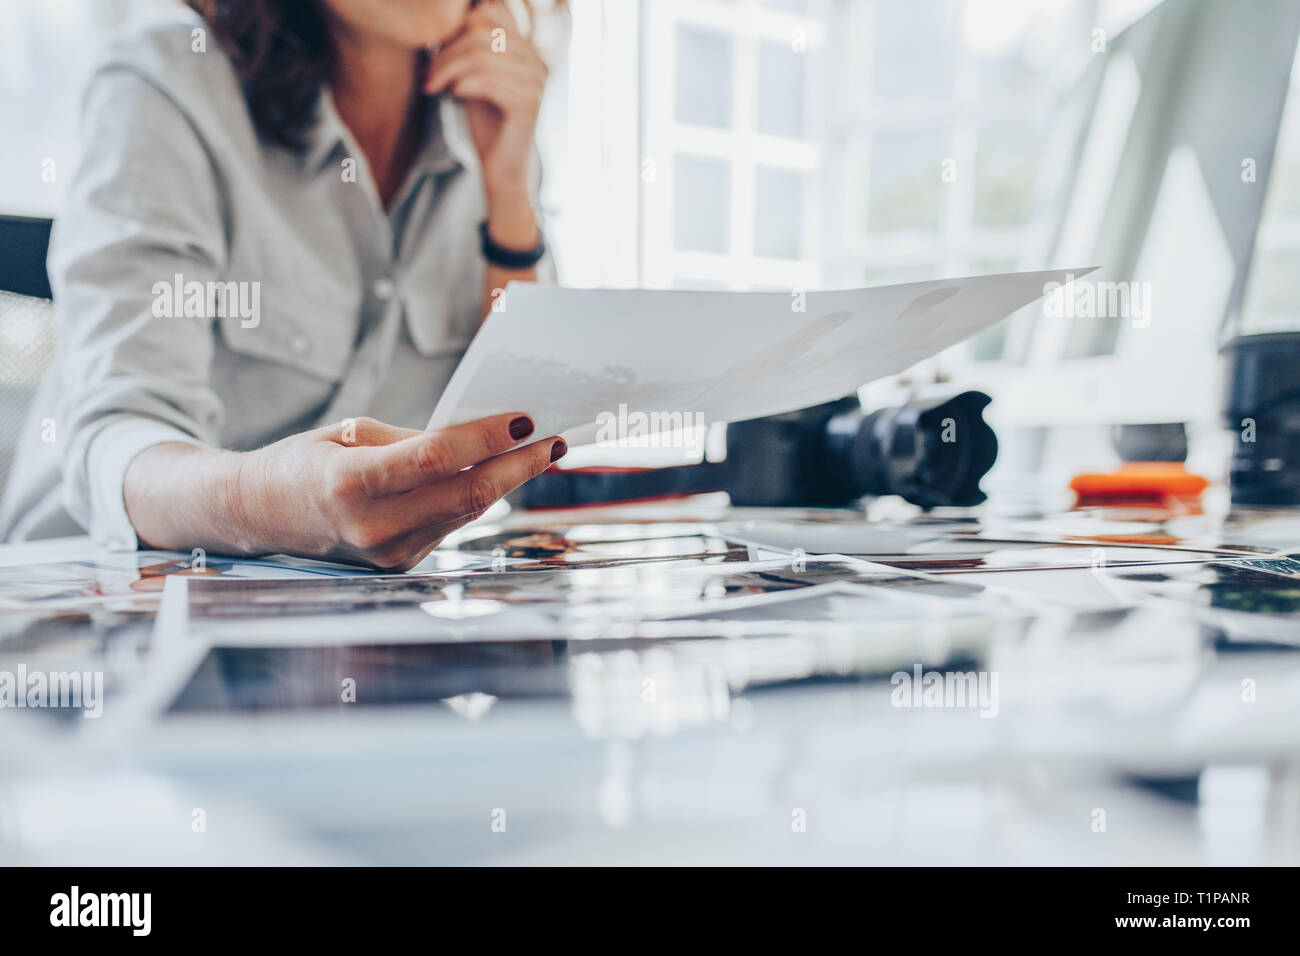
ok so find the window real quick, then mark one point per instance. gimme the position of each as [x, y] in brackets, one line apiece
[701, 203]
[728, 146]
[703, 77]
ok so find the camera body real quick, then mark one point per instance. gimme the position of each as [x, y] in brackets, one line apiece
[931, 452]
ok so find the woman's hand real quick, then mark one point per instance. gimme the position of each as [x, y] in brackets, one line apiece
[360, 491]
[500, 75]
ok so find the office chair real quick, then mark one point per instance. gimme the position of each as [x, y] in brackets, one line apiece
[26, 325]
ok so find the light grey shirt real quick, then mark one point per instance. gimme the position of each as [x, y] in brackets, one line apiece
[302, 300]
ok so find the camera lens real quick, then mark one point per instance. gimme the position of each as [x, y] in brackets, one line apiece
[930, 452]
[1262, 408]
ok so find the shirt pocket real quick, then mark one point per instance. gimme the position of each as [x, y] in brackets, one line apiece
[443, 321]
[301, 334]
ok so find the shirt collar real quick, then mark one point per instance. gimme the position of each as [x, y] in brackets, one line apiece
[451, 136]
[447, 142]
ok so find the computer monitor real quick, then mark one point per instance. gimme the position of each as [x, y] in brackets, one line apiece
[1167, 144]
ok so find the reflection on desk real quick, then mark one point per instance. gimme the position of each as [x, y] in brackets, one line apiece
[698, 688]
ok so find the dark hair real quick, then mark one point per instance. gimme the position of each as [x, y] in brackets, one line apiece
[282, 51]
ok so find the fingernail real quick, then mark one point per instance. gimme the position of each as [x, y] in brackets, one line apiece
[559, 449]
[521, 428]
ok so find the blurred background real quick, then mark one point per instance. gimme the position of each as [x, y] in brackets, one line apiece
[803, 144]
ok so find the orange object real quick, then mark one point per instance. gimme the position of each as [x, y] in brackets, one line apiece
[1139, 481]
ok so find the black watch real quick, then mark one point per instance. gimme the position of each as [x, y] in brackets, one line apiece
[510, 258]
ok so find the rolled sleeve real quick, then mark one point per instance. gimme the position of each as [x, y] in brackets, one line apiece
[110, 453]
[142, 209]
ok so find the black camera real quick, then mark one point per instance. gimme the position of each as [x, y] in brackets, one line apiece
[930, 452]
[1261, 406]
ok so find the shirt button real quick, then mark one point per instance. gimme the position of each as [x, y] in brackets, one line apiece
[384, 289]
[299, 344]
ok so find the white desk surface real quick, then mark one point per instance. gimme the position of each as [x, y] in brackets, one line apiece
[1151, 760]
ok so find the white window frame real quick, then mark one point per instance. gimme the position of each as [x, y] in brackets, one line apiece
[747, 23]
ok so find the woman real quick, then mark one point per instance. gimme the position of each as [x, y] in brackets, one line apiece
[288, 220]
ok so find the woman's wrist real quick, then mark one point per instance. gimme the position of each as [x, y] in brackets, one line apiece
[239, 475]
[180, 497]
[512, 220]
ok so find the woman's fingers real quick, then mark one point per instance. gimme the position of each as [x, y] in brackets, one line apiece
[451, 71]
[435, 456]
[481, 46]
[470, 42]
[391, 531]
[497, 36]
[487, 63]
[410, 550]
[477, 489]
[501, 90]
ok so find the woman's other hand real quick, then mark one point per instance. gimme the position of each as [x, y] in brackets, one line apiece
[501, 76]
[360, 491]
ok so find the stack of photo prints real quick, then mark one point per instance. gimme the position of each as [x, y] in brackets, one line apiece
[535, 604]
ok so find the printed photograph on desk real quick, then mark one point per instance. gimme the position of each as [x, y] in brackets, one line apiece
[69, 668]
[62, 635]
[595, 545]
[699, 664]
[467, 676]
[940, 550]
[820, 650]
[1252, 599]
[500, 605]
[94, 646]
[1112, 526]
[1268, 528]
[799, 619]
[859, 607]
[1012, 556]
[624, 581]
[94, 605]
[130, 581]
[1257, 531]
[809, 587]
[367, 610]
[133, 580]
[236, 599]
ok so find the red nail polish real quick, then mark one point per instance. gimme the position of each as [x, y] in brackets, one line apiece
[559, 450]
[521, 428]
